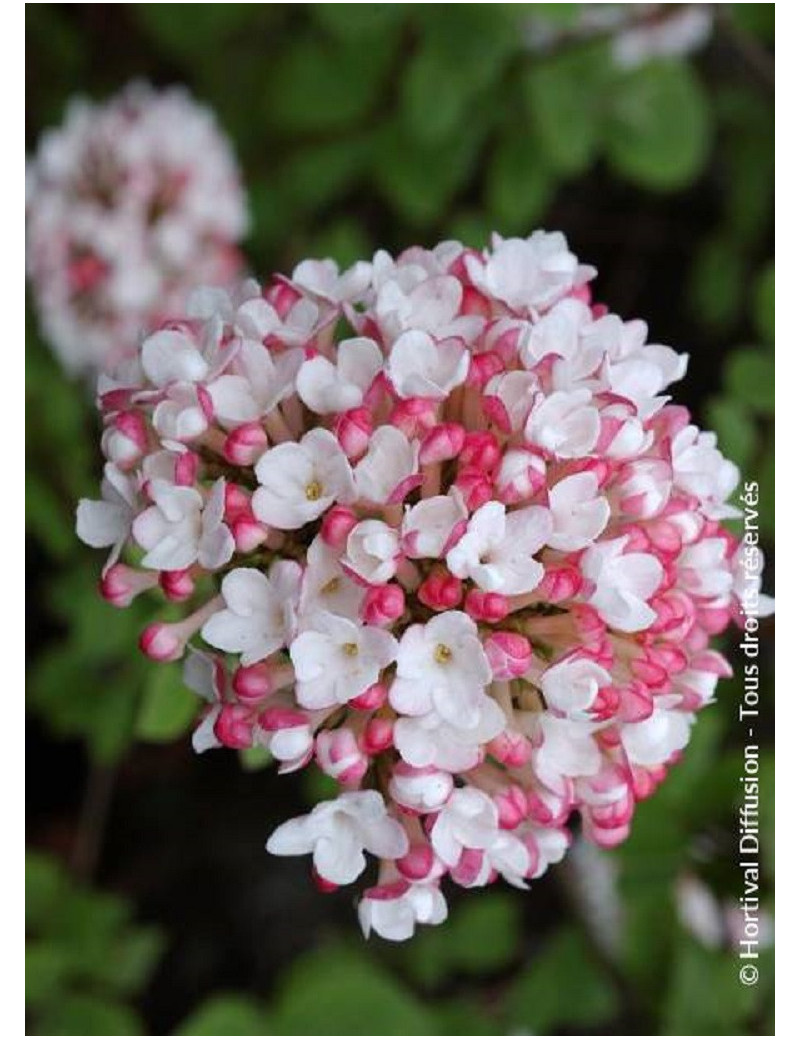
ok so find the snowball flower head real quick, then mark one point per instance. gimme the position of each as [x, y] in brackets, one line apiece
[439, 530]
[130, 204]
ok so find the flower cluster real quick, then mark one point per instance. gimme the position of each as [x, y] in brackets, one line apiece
[130, 204]
[440, 531]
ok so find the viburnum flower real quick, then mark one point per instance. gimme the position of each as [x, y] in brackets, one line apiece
[130, 204]
[438, 529]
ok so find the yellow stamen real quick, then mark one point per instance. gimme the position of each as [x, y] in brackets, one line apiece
[350, 649]
[313, 490]
[442, 654]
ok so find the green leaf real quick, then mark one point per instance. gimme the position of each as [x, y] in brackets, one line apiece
[563, 986]
[254, 758]
[566, 96]
[463, 1018]
[45, 882]
[168, 707]
[434, 95]
[353, 21]
[750, 379]
[689, 1009]
[485, 933]
[82, 1015]
[736, 431]
[716, 281]
[519, 185]
[660, 127]
[212, 25]
[47, 969]
[764, 304]
[227, 1014]
[317, 174]
[337, 991]
[316, 85]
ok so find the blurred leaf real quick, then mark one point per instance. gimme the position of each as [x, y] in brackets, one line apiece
[83, 1015]
[46, 971]
[318, 85]
[462, 1018]
[704, 996]
[562, 986]
[755, 19]
[46, 518]
[750, 379]
[227, 1015]
[211, 26]
[318, 786]
[473, 228]
[358, 20]
[485, 933]
[168, 708]
[337, 991]
[255, 758]
[44, 884]
[660, 126]
[519, 185]
[318, 173]
[747, 126]
[566, 95]
[344, 241]
[764, 304]
[736, 431]
[434, 94]
[716, 281]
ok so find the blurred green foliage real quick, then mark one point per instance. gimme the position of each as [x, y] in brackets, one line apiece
[377, 125]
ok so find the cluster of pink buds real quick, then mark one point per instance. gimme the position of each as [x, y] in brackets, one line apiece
[439, 531]
[130, 204]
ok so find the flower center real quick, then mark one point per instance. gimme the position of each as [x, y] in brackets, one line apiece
[350, 649]
[442, 654]
[330, 587]
[313, 490]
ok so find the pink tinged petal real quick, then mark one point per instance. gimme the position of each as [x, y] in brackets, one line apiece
[170, 356]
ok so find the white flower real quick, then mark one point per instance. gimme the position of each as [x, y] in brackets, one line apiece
[429, 526]
[393, 911]
[326, 387]
[623, 583]
[705, 571]
[497, 550]
[579, 514]
[107, 522]
[338, 833]
[205, 676]
[452, 744]
[326, 586]
[419, 366]
[511, 395]
[657, 738]
[336, 660]
[469, 820]
[322, 278]
[179, 529]
[529, 273]
[559, 333]
[373, 550]
[567, 749]
[700, 469]
[572, 685]
[411, 299]
[299, 481]
[441, 667]
[260, 611]
[389, 469]
[183, 414]
[173, 356]
[256, 381]
[423, 790]
[565, 423]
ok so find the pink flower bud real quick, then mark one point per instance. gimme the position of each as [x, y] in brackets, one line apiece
[371, 699]
[441, 443]
[480, 452]
[520, 476]
[234, 726]
[187, 466]
[417, 862]
[252, 683]
[339, 756]
[482, 367]
[511, 748]
[486, 606]
[244, 445]
[509, 654]
[414, 416]
[121, 584]
[378, 736]
[473, 302]
[322, 885]
[440, 590]
[237, 502]
[337, 524]
[282, 295]
[162, 642]
[560, 583]
[383, 604]
[124, 440]
[353, 430]
[475, 486]
[247, 533]
[274, 719]
[512, 806]
[177, 585]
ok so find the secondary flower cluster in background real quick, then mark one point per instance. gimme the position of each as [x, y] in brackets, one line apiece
[130, 204]
[439, 530]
